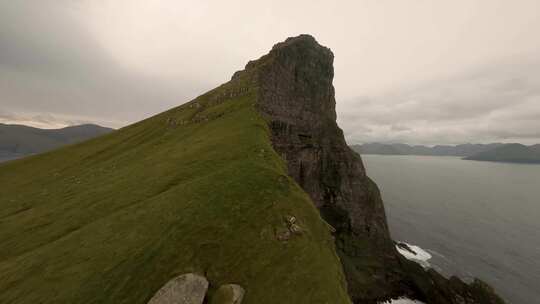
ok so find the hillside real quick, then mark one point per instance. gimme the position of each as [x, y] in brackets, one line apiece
[198, 188]
[438, 150]
[18, 140]
[210, 187]
[513, 153]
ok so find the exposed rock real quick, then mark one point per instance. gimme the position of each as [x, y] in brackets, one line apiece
[432, 287]
[295, 229]
[185, 289]
[296, 97]
[291, 220]
[292, 225]
[406, 247]
[283, 234]
[228, 294]
[330, 228]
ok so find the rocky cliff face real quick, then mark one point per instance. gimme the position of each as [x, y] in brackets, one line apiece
[296, 97]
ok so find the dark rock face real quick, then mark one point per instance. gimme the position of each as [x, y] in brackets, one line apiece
[296, 97]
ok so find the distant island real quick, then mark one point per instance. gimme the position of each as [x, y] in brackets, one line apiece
[499, 152]
[18, 141]
[463, 150]
[513, 153]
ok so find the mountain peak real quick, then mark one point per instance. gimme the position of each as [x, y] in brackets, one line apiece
[300, 53]
[303, 40]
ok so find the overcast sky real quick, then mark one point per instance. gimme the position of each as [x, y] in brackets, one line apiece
[414, 71]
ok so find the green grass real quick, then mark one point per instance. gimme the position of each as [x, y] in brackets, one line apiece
[113, 219]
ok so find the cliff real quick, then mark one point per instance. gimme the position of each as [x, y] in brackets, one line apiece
[296, 97]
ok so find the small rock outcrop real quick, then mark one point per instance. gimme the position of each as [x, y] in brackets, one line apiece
[291, 228]
[185, 289]
[228, 294]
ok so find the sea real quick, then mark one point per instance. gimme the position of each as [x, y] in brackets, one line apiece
[475, 219]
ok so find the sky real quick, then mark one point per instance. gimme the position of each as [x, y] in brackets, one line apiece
[414, 71]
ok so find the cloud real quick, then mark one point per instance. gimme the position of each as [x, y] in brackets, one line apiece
[498, 102]
[118, 61]
[50, 63]
[53, 121]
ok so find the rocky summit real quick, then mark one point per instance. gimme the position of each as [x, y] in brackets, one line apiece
[251, 184]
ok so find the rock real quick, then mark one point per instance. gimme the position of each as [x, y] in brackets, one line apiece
[283, 235]
[296, 97]
[185, 289]
[228, 294]
[330, 227]
[291, 220]
[295, 229]
[405, 247]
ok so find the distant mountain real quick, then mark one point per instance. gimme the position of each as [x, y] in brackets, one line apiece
[463, 150]
[514, 153]
[18, 140]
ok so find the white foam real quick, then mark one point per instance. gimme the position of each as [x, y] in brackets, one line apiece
[420, 255]
[402, 301]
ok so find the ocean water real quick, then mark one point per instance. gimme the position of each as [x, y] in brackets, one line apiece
[476, 219]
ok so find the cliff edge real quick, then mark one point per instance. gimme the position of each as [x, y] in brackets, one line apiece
[296, 98]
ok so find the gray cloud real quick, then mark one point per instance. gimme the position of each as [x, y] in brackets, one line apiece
[117, 61]
[49, 63]
[493, 103]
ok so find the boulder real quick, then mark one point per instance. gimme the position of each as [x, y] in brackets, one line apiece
[185, 289]
[228, 294]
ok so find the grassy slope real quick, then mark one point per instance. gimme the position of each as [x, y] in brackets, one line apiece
[112, 219]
